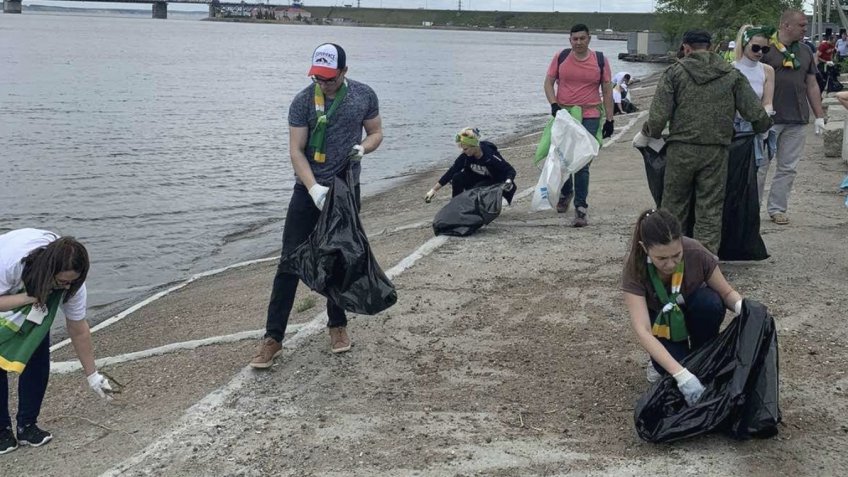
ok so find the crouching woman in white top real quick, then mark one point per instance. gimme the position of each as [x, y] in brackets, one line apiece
[39, 273]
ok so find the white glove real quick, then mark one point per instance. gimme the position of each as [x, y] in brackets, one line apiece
[318, 194]
[689, 386]
[640, 140]
[356, 153]
[100, 385]
[508, 185]
[430, 194]
[819, 126]
[737, 307]
[770, 110]
[829, 63]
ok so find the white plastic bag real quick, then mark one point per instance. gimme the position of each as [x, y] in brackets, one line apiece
[571, 143]
[572, 147]
[546, 193]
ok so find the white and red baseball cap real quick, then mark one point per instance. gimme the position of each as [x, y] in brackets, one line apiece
[327, 60]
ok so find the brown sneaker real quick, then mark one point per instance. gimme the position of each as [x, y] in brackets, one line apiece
[269, 349]
[564, 203]
[580, 219]
[780, 219]
[339, 340]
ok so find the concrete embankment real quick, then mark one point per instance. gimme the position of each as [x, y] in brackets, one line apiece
[508, 353]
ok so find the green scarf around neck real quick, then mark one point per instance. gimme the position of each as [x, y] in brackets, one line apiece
[670, 323]
[318, 137]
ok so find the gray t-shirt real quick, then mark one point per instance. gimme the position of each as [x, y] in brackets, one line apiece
[344, 129]
[790, 86]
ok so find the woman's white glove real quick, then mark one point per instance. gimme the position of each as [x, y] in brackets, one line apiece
[640, 140]
[100, 385]
[737, 307]
[689, 386]
[819, 126]
[430, 194]
[318, 194]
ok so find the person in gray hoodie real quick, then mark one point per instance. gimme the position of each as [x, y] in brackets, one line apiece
[698, 97]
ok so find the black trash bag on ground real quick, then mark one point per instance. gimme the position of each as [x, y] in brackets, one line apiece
[740, 223]
[469, 211]
[336, 260]
[739, 369]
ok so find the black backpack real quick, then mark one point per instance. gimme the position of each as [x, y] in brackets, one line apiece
[598, 55]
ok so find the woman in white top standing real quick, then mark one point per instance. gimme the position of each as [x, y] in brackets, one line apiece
[751, 44]
[40, 273]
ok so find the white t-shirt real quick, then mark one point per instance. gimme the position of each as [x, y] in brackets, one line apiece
[842, 47]
[16, 245]
[616, 95]
[619, 79]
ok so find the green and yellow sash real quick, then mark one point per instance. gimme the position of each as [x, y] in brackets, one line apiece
[670, 323]
[19, 338]
[789, 59]
[318, 137]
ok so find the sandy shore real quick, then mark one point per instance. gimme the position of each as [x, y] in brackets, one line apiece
[508, 353]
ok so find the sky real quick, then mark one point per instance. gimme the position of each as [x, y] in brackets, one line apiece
[502, 5]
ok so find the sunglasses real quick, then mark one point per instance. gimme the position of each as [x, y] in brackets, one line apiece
[318, 79]
[758, 48]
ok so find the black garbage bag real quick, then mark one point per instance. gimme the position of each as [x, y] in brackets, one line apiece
[654, 171]
[336, 260]
[739, 369]
[469, 211]
[740, 224]
[740, 227]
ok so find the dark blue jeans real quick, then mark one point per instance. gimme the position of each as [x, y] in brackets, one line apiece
[704, 311]
[32, 384]
[580, 184]
[301, 219]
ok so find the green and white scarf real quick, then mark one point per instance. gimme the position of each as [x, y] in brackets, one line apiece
[20, 337]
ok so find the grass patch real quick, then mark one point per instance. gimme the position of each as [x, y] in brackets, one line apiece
[305, 304]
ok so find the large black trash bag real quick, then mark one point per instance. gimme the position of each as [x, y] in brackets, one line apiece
[469, 211]
[740, 224]
[654, 171]
[739, 369]
[336, 260]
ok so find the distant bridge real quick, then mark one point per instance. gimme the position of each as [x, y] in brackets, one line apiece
[160, 7]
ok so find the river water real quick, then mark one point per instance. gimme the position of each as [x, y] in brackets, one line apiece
[162, 145]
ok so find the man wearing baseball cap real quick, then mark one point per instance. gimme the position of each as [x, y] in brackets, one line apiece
[326, 122]
[698, 98]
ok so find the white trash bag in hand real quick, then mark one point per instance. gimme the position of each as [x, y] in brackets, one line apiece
[572, 147]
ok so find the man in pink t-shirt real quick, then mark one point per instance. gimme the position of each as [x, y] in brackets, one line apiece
[580, 80]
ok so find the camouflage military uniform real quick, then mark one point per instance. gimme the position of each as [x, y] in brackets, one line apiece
[698, 97]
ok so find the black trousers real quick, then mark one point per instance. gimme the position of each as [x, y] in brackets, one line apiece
[703, 312]
[32, 384]
[301, 219]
